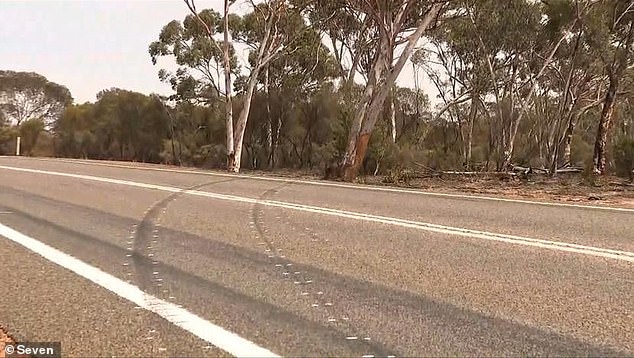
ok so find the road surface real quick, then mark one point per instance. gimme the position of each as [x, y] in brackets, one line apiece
[138, 260]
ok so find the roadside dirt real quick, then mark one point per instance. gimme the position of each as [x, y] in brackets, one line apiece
[569, 188]
[608, 192]
[4, 340]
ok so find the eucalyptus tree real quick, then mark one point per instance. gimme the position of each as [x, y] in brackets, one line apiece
[611, 28]
[28, 95]
[573, 78]
[293, 78]
[571, 83]
[453, 65]
[269, 30]
[202, 61]
[226, 68]
[272, 28]
[387, 33]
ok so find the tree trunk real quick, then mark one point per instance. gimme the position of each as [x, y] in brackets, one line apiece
[605, 124]
[568, 144]
[276, 140]
[361, 144]
[566, 160]
[361, 141]
[473, 111]
[600, 144]
[540, 149]
[238, 138]
[393, 115]
[269, 119]
[231, 158]
[357, 121]
[572, 122]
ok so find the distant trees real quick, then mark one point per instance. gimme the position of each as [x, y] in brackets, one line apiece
[121, 125]
[272, 28]
[29, 105]
[28, 95]
[528, 71]
[520, 83]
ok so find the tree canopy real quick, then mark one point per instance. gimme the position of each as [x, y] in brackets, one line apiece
[28, 95]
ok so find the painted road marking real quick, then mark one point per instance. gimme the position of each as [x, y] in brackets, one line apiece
[337, 185]
[215, 335]
[483, 235]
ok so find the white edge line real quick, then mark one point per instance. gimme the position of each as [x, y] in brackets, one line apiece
[512, 239]
[215, 335]
[339, 185]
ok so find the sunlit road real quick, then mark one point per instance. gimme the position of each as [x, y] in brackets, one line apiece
[138, 260]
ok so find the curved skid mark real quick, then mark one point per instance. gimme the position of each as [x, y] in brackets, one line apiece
[299, 279]
[143, 244]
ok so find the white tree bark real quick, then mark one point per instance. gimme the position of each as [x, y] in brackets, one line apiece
[268, 49]
[238, 138]
[228, 103]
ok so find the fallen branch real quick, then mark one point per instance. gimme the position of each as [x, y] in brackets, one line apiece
[569, 170]
[461, 173]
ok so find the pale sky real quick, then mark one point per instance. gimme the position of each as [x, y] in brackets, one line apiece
[92, 45]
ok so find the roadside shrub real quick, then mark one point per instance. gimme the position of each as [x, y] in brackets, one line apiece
[398, 175]
[580, 151]
[182, 152]
[588, 175]
[7, 140]
[324, 154]
[211, 157]
[44, 146]
[624, 158]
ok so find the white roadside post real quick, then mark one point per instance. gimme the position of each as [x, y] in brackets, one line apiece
[17, 146]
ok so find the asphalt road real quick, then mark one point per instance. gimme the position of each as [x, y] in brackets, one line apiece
[301, 269]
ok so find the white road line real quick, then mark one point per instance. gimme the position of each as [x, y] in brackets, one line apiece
[483, 235]
[340, 185]
[215, 335]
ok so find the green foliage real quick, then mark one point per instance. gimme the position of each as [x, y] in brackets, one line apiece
[199, 57]
[120, 125]
[582, 149]
[30, 131]
[398, 175]
[7, 140]
[28, 95]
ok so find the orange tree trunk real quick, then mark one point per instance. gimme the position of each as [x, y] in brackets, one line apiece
[351, 171]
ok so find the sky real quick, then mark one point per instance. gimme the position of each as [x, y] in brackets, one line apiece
[91, 45]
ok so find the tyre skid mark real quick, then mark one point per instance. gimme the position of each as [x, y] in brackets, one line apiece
[301, 279]
[142, 245]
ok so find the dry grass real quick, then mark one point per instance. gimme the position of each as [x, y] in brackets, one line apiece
[574, 188]
[571, 188]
